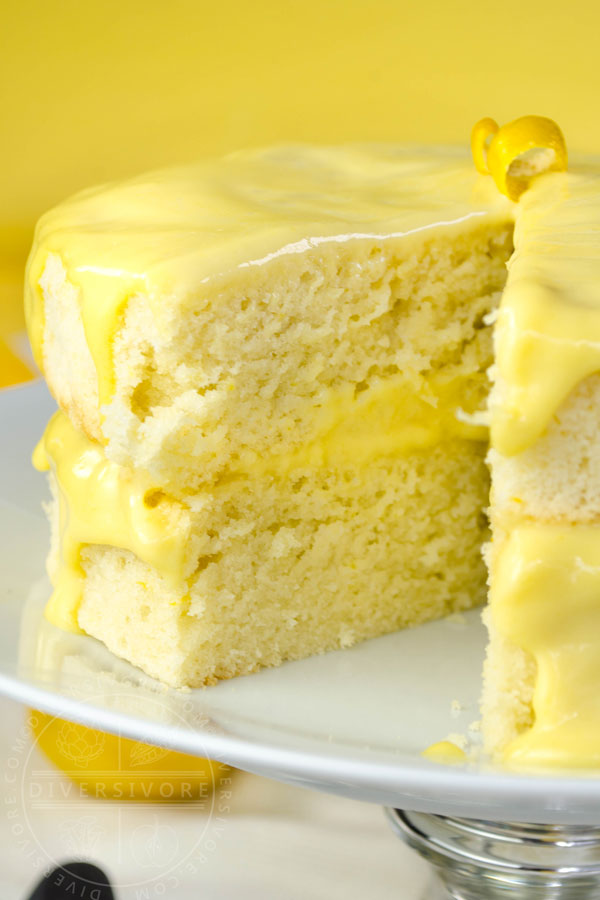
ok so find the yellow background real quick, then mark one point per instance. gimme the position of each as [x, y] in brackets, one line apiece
[95, 89]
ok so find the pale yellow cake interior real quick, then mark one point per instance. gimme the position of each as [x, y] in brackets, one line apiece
[364, 513]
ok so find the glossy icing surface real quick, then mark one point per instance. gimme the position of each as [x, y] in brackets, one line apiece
[545, 598]
[548, 329]
[182, 230]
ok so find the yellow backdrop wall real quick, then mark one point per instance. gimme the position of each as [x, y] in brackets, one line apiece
[95, 89]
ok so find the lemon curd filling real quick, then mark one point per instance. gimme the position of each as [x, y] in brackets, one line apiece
[387, 419]
[101, 502]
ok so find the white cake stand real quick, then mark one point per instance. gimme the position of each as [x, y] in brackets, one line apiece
[353, 722]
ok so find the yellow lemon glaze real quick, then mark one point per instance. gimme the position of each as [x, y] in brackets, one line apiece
[180, 231]
[545, 598]
[548, 328]
[101, 502]
[445, 752]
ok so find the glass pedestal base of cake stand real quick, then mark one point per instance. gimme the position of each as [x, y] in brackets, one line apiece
[499, 861]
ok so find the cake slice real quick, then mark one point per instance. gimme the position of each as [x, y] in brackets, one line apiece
[268, 384]
[272, 373]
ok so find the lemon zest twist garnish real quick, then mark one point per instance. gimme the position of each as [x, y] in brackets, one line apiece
[518, 152]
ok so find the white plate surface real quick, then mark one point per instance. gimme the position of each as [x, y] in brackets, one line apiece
[353, 722]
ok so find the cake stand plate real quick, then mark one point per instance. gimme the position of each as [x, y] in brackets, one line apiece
[352, 722]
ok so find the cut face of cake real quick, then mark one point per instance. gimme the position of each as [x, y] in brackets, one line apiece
[272, 373]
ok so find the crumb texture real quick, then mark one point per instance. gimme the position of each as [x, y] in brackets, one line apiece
[320, 561]
[253, 408]
[206, 381]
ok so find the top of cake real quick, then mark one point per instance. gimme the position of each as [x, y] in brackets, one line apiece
[183, 230]
[175, 235]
